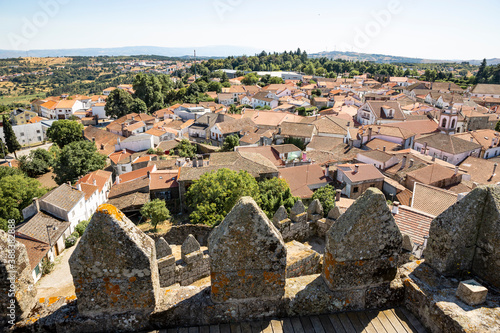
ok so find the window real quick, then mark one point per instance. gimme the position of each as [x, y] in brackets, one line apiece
[355, 189]
[124, 168]
[22, 133]
[39, 138]
[37, 131]
[453, 123]
[444, 122]
[37, 270]
[445, 158]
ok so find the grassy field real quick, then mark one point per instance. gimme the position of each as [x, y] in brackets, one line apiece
[20, 99]
[46, 61]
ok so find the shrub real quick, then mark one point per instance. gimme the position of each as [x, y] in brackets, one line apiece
[80, 227]
[70, 241]
[47, 266]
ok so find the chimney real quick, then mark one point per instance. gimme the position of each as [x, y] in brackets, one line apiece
[10, 164]
[102, 146]
[425, 242]
[348, 124]
[36, 204]
[118, 141]
[79, 187]
[494, 169]
[378, 131]
[411, 163]
[149, 174]
[69, 183]
[492, 142]
[124, 151]
[117, 180]
[424, 150]
[403, 163]
[395, 207]
[369, 134]
[133, 118]
[93, 139]
[471, 139]
[337, 195]
[456, 170]
[356, 168]
[383, 149]
[95, 182]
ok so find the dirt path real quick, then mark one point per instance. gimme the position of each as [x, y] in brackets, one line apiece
[60, 281]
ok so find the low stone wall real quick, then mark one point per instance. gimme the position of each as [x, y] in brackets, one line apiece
[301, 260]
[194, 265]
[178, 233]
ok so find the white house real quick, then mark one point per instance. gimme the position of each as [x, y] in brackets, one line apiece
[261, 99]
[448, 148]
[380, 159]
[186, 112]
[98, 110]
[95, 186]
[486, 90]
[380, 112]
[27, 134]
[136, 143]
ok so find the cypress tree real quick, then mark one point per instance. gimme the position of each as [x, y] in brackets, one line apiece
[10, 137]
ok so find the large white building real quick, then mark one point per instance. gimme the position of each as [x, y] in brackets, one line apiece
[27, 134]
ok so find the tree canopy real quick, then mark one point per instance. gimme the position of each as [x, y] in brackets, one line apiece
[155, 211]
[274, 193]
[63, 132]
[230, 142]
[38, 162]
[77, 159]
[16, 193]
[215, 193]
[325, 195]
[186, 149]
[119, 103]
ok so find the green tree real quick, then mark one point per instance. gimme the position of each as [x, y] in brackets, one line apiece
[38, 162]
[118, 104]
[497, 126]
[295, 141]
[149, 89]
[16, 193]
[215, 86]
[186, 149]
[230, 142]
[155, 211]
[481, 73]
[63, 132]
[274, 193]
[250, 79]
[138, 106]
[325, 195]
[77, 159]
[275, 80]
[215, 193]
[10, 137]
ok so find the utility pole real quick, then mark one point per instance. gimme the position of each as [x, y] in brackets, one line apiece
[195, 65]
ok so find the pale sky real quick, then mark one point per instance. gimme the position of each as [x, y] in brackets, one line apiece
[449, 29]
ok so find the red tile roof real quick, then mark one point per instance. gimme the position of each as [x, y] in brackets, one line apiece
[299, 179]
[414, 223]
[126, 177]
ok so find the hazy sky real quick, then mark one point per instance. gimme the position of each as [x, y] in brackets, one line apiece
[447, 29]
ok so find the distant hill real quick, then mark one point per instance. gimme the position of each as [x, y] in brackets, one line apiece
[382, 58]
[217, 51]
[205, 51]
